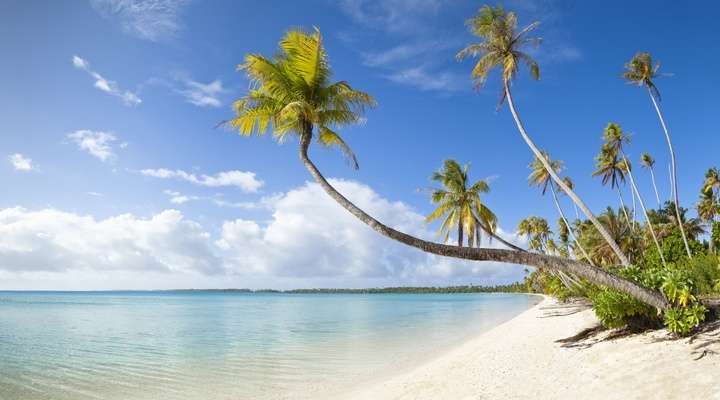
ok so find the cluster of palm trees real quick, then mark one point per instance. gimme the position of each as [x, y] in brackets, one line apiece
[293, 94]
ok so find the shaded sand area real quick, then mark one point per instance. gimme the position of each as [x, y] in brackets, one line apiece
[521, 359]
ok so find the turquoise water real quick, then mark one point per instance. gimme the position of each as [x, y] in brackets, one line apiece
[183, 345]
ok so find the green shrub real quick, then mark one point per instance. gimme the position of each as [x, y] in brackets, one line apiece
[615, 309]
[673, 249]
[704, 272]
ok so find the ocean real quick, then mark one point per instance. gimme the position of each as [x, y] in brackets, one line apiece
[227, 345]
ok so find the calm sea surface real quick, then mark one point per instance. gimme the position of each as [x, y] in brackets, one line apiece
[200, 345]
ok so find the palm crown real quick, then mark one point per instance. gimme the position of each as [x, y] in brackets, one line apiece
[539, 176]
[641, 71]
[501, 46]
[647, 161]
[292, 94]
[460, 204]
[537, 230]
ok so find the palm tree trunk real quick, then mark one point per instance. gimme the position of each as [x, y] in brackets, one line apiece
[567, 224]
[495, 236]
[624, 209]
[647, 218]
[595, 275]
[676, 197]
[657, 195]
[460, 234]
[623, 259]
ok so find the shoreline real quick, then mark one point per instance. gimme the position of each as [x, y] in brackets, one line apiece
[520, 359]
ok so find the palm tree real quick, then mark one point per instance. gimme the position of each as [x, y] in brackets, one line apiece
[502, 46]
[615, 223]
[569, 183]
[539, 177]
[641, 71]
[611, 169]
[648, 162]
[292, 95]
[708, 209]
[537, 231]
[712, 180]
[615, 139]
[460, 204]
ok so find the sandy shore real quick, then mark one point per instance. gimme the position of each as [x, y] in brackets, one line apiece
[521, 360]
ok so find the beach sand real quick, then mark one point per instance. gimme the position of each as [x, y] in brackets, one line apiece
[521, 360]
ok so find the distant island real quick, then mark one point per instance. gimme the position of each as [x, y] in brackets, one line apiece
[516, 287]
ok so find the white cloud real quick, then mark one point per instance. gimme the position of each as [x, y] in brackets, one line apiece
[179, 198]
[311, 236]
[98, 144]
[246, 181]
[309, 241]
[201, 94]
[110, 87]
[421, 78]
[153, 20]
[52, 240]
[20, 162]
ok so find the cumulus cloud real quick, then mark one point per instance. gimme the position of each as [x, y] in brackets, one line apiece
[52, 240]
[179, 198]
[309, 241]
[153, 20]
[110, 87]
[98, 144]
[310, 235]
[246, 181]
[20, 162]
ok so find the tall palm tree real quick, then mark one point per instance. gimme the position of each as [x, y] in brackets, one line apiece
[648, 162]
[502, 46]
[537, 231]
[292, 95]
[539, 177]
[460, 203]
[618, 227]
[641, 71]
[615, 139]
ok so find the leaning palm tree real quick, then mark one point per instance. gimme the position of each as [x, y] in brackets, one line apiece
[502, 46]
[648, 162]
[615, 140]
[641, 71]
[539, 177]
[460, 203]
[292, 95]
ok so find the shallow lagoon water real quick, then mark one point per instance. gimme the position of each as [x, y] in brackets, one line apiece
[226, 345]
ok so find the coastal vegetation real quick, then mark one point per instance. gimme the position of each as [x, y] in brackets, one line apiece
[634, 273]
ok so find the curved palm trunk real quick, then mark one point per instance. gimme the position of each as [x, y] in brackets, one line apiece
[673, 175]
[647, 218]
[657, 195]
[567, 224]
[616, 249]
[593, 274]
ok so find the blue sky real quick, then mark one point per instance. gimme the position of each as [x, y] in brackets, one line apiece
[116, 176]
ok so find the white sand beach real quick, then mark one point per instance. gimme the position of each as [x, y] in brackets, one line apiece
[521, 359]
